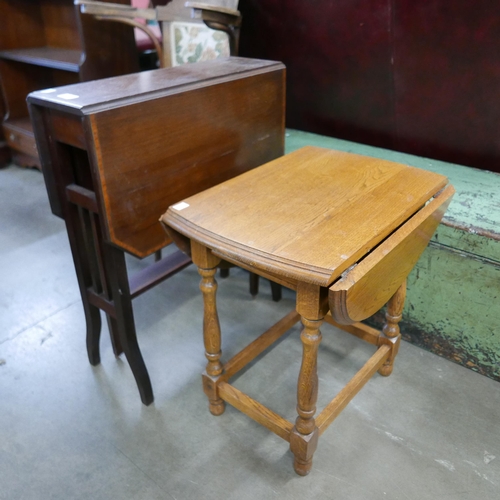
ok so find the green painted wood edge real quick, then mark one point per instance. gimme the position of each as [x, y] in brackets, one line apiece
[472, 222]
[453, 309]
[477, 245]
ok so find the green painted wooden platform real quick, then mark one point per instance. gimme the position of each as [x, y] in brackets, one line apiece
[453, 301]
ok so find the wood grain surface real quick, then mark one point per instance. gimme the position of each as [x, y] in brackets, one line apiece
[371, 283]
[309, 215]
[157, 137]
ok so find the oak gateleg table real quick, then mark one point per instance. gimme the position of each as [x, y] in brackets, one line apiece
[344, 231]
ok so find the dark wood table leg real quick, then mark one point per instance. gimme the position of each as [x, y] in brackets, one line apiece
[114, 335]
[81, 260]
[95, 250]
[120, 292]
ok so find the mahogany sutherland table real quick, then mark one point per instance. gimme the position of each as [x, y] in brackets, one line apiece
[116, 152]
[342, 230]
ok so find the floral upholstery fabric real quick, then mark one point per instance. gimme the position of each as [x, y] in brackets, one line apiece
[195, 42]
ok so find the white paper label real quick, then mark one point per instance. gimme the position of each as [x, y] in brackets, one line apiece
[180, 206]
[68, 96]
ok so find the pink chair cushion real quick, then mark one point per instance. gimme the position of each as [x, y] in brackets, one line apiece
[142, 41]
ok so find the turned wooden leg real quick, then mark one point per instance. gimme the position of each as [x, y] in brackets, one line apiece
[393, 316]
[304, 436]
[207, 267]
[212, 340]
[312, 305]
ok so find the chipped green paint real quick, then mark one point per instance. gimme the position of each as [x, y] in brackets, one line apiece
[453, 300]
[451, 309]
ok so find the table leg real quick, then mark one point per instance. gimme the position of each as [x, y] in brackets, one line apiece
[207, 267]
[393, 316]
[114, 335]
[304, 436]
[81, 258]
[125, 324]
[93, 322]
[312, 307]
[212, 340]
[101, 277]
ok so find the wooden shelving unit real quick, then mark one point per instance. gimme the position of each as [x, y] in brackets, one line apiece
[4, 149]
[48, 57]
[48, 43]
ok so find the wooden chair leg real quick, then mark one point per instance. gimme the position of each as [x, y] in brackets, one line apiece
[254, 287]
[254, 284]
[275, 291]
[304, 435]
[391, 330]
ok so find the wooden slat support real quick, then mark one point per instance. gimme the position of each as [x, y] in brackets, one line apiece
[259, 345]
[255, 410]
[101, 302]
[82, 197]
[360, 330]
[157, 272]
[333, 409]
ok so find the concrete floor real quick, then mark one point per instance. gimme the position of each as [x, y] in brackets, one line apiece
[71, 431]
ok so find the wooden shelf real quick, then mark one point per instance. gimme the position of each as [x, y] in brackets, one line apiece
[22, 125]
[157, 272]
[21, 140]
[49, 57]
[19, 134]
[49, 44]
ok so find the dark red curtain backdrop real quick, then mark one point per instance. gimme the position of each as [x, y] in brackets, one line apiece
[416, 76]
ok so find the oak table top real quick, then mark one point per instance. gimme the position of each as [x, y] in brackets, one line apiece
[309, 215]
